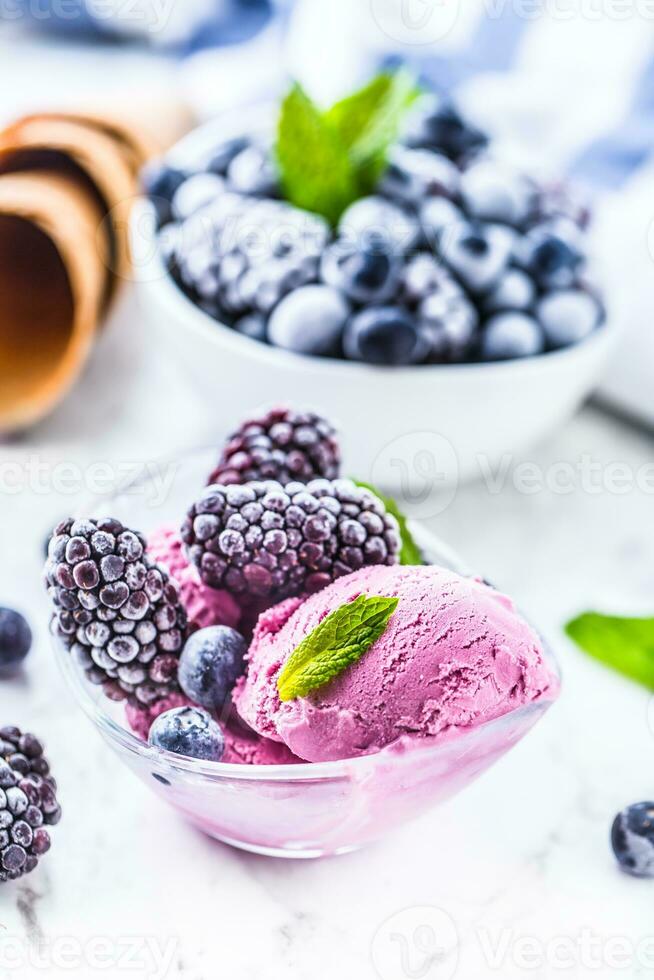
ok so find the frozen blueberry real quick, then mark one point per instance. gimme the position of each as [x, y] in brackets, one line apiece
[477, 253]
[222, 155]
[510, 335]
[254, 326]
[492, 192]
[514, 291]
[632, 837]
[160, 182]
[437, 214]
[195, 193]
[423, 275]
[366, 274]
[210, 664]
[252, 172]
[309, 320]
[412, 175]
[15, 640]
[188, 731]
[372, 220]
[552, 254]
[449, 323]
[568, 316]
[443, 128]
[384, 335]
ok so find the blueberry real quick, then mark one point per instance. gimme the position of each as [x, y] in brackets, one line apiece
[412, 175]
[552, 254]
[222, 155]
[568, 316]
[309, 320]
[449, 324]
[443, 128]
[494, 193]
[632, 837]
[211, 662]
[195, 193]
[366, 274]
[374, 220]
[188, 731]
[510, 335]
[384, 335]
[15, 639]
[437, 214]
[514, 291]
[160, 182]
[254, 326]
[477, 253]
[252, 172]
[423, 275]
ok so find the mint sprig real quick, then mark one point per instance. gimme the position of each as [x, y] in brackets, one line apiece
[337, 642]
[626, 644]
[328, 159]
[410, 553]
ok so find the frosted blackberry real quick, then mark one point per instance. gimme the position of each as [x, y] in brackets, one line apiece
[28, 803]
[118, 613]
[271, 541]
[241, 255]
[281, 445]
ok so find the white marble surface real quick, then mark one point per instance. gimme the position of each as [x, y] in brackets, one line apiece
[520, 860]
[518, 866]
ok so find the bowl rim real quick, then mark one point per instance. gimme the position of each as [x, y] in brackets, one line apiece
[293, 772]
[150, 270]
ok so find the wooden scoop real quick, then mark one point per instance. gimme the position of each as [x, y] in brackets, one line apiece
[53, 275]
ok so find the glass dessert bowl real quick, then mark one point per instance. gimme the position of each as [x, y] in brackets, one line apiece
[298, 810]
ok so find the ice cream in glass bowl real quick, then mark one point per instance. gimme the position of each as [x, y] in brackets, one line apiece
[346, 700]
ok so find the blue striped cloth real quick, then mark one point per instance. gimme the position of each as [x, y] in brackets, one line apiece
[604, 159]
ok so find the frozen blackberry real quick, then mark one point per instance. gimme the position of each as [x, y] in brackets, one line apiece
[118, 613]
[28, 803]
[271, 541]
[281, 445]
[241, 255]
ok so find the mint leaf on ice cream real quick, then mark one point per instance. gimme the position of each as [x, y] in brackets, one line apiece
[623, 643]
[336, 643]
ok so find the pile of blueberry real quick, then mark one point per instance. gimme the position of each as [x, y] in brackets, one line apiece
[455, 257]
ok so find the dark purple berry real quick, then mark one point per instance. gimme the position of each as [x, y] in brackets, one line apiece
[281, 445]
[190, 732]
[300, 537]
[211, 662]
[632, 837]
[15, 640]
[27, 802]
[114, 609]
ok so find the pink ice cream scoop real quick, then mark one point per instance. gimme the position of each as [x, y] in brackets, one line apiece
[205, 606]
[454, 655]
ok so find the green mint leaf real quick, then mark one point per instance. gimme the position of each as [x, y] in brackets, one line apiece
[370, 149]
[410, 553]
[315, 168]
[351, 115]
[625, 644]
[336, 643]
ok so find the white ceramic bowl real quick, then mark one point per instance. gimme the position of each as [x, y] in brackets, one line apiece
[412, 429]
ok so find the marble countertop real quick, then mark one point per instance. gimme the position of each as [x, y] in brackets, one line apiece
[515, 876]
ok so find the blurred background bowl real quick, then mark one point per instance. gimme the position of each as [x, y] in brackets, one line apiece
[441, 423]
